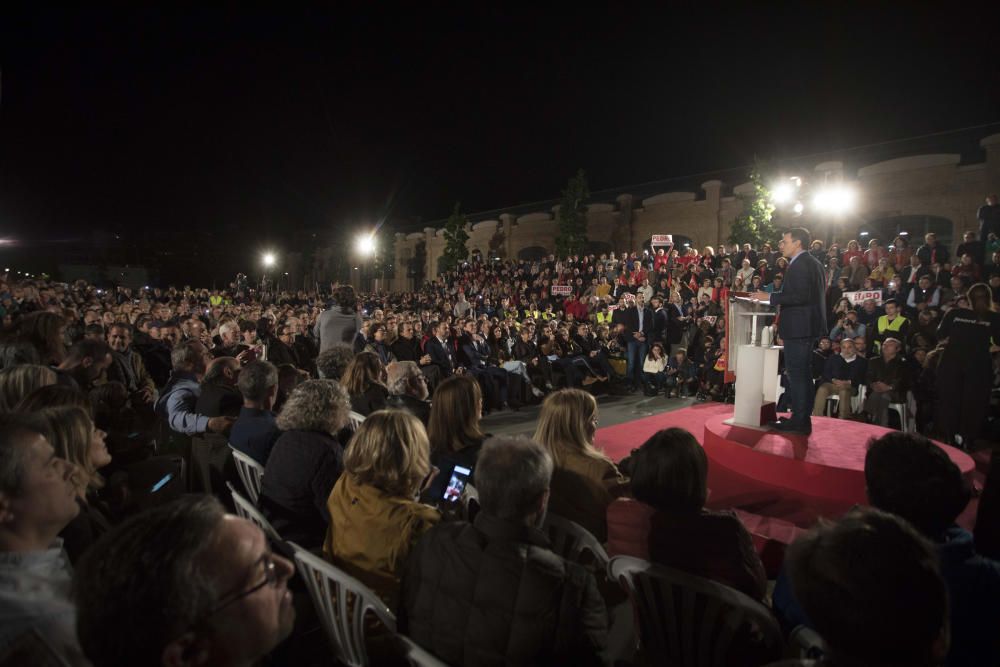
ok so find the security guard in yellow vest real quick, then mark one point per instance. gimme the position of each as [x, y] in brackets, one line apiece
[890, 325]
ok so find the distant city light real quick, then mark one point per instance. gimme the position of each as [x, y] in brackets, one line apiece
[834, 200]
[268, 259]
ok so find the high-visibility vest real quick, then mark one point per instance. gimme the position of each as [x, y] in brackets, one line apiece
[884, 325]
[604, 318]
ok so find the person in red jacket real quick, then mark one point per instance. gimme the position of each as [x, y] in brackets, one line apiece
[667, 522]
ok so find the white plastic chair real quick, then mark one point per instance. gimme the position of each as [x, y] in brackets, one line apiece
[343, 604]
[804, 642]
[904, 410]
[249, 511]
[687, 620]
[418, 656]
[857, 401]
[251, 473]
[573, 542]
[354, 420]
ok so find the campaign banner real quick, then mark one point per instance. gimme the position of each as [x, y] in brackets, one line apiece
[662, 239]
[710, 319]
[561, 290]
[858, 298]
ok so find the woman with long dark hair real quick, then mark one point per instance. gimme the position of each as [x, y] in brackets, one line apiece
[965, 374]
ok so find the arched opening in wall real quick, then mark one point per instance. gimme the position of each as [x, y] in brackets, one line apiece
[535, 253]
[597, 248]
[681, 243]
[911, 227]
[416, 267]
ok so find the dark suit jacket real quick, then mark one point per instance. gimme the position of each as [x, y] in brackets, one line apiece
[630, 318]
[675, 328]
[217, 400]
[802, 299]
[441, 356]
[660, 318]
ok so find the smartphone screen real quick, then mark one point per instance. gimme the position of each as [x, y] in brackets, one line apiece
[159, 485]
[459, 477]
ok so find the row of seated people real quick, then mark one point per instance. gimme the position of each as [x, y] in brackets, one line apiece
[186, 579]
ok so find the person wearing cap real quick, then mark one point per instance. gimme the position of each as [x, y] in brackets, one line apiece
[888, 380]
[892, 324]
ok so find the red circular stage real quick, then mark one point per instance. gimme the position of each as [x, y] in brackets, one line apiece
[793, 477]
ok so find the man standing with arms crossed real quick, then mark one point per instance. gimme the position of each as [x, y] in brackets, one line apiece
[801, 320]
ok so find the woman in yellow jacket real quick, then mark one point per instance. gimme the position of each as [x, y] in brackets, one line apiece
[374, 515]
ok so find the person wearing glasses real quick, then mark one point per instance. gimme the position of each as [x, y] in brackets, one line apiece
[218, 596]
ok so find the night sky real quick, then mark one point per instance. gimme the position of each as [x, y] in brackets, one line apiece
[261, 120]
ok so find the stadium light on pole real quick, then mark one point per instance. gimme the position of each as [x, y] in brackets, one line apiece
[366, 244]
[268, 259]
[834, 200]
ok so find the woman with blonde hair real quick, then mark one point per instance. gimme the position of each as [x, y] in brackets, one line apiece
[306, 462]
[584, 481]
[76, 439]
[364, 380]
[374, 515]
[16, 382]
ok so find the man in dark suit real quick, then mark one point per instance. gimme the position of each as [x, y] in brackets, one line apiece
[440, 349]
[638, 321]
[801, 320]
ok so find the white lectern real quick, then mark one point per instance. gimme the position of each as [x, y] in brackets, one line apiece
[751, 352]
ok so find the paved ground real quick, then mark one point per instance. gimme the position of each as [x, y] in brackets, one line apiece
[612, 410]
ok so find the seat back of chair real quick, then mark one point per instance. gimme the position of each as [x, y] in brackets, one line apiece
[574, 542]
[354, 420]
[687, 620]
[251, 473]
[342, 603]
[418, 656]
[249, 511]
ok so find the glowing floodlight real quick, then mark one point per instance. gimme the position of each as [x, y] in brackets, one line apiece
[268, 259]
[366, 244]
[783, 193]
[835, 200]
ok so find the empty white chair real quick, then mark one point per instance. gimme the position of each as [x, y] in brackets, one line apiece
[251, 473]
[418, 656]
[248, 511]
[343, 604]
[687, 620]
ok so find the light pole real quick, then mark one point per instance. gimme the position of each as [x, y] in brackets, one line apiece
[366, 248]
[833, 201]
[268, 260]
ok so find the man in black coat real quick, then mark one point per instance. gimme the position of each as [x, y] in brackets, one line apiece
[801, 320]
[463, 579]
[440, 349]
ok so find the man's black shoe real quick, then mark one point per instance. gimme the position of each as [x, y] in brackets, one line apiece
[786, 426]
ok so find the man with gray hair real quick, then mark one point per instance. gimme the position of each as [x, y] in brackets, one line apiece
[407, 387]
[177, 401]
[462, 580]
[255, 430]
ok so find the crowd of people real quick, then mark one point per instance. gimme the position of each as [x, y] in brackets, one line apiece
[118, 409]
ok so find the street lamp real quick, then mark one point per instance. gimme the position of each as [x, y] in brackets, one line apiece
[268, 259]
[366, 244]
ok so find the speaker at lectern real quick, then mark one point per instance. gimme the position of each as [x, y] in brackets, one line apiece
[752, 353]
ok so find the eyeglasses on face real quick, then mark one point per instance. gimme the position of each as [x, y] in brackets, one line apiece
[270, 578]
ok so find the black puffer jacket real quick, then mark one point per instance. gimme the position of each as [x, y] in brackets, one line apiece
[493, 593]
